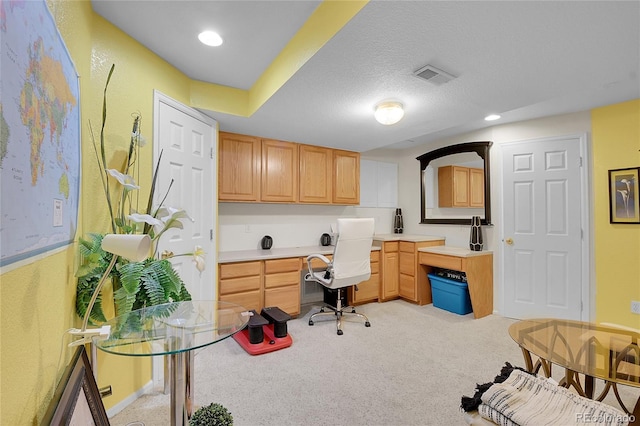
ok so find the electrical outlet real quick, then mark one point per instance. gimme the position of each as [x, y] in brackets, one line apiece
[635, 307]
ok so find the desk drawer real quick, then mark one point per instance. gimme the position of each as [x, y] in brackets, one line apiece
[390, 246]
[237, 285]
[281, 265]
[407, 263]
[441, 261]
[282, 279]
[375, 256]
[407, 247]
[249, 300]
[240, 269]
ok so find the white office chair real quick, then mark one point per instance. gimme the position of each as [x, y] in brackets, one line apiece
[350, 266]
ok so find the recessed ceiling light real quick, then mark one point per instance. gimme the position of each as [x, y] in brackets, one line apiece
[492, 117]
[210, 38]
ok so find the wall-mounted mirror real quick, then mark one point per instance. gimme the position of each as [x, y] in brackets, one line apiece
[455, 185]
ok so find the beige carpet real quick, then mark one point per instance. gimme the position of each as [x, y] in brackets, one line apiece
[411, 367]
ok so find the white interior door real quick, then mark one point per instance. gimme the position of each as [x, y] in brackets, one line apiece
[187, 139]
[543, 202]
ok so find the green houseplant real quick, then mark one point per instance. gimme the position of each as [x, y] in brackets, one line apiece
[135, 284]
[213, 414]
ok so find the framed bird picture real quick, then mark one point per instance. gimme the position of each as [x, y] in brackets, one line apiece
[624, 201]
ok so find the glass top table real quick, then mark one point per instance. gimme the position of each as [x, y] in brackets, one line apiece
[174, 329]
[595, 351]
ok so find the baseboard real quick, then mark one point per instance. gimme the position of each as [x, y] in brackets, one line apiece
[130, 399]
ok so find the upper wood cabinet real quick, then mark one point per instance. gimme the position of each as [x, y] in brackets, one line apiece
[346, 177]
[279, 171]
[253, 169]
[316, 166]
[476, 187]
[460, 187]
[239, 167]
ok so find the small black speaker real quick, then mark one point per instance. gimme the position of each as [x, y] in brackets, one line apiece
[266, 242]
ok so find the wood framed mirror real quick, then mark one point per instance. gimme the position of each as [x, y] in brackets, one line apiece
[455, 184]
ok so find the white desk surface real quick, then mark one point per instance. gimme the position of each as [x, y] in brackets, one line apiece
[406, 237]
[454, 251]
[275, 253]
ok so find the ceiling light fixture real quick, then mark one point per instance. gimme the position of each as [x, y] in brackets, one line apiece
[492, 117]
[388, 113]
[210, 38]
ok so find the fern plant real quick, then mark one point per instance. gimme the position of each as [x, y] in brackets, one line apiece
[135, 284]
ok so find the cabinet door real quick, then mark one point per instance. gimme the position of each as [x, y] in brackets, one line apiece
[279, 171]
[460, 187]
[315, 174]
[367, 290]
[476, 187]
[453, 186]
[407, 284]
[407, 287]
[238, 168]
[390, 271]
[407, 263]
[346, 177]
[390, 275]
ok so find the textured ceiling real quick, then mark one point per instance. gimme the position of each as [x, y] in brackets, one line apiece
[520, 59]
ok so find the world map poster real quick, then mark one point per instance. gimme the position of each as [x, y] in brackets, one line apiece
[39, 134]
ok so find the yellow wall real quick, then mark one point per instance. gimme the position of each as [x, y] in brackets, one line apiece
[616, 145]
[36, 300]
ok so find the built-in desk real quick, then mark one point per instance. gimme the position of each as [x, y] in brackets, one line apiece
[258, 278]
[477, 265]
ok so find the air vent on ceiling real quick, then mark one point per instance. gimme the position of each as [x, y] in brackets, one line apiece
[433, 75]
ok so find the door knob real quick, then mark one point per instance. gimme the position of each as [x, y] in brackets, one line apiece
[509, 241]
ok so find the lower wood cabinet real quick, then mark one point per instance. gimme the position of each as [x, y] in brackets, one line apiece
[282, 284]
[260, 283]
[241, 283]
[389, 259]
[368, 291]
[276, 282]
[395, 272]
[411, 280]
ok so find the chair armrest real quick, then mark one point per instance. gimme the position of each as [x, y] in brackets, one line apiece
[317, 256]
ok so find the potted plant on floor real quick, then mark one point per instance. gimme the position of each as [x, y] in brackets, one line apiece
[213, 414]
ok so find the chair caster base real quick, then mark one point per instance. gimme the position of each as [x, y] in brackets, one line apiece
[340, 333]
[310, 322]
[367, 324]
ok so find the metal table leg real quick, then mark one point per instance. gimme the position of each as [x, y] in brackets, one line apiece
[178, 389]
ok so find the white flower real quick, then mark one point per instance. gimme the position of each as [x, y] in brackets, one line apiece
[171, 217]
[145, 218]
[198, 258]
[125, 180]
[169, 213]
